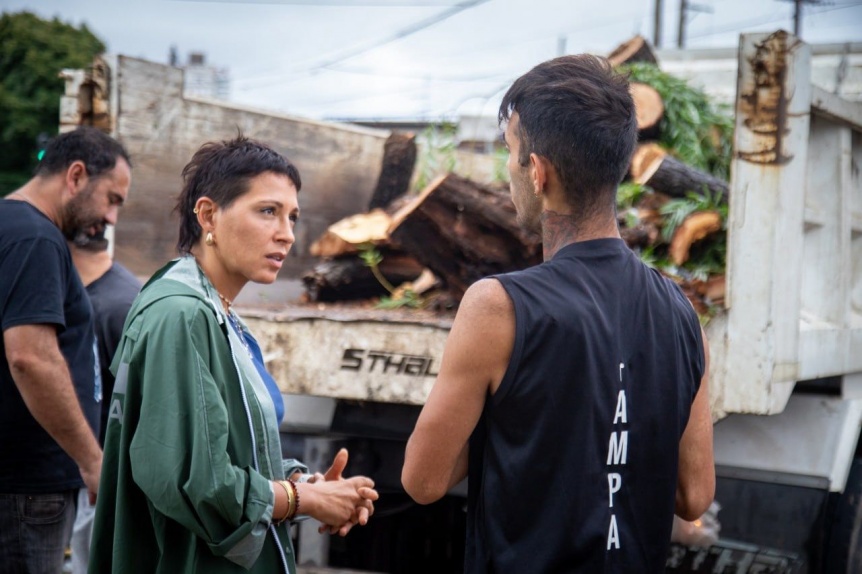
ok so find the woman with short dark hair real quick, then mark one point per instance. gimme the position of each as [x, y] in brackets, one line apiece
[193, 479]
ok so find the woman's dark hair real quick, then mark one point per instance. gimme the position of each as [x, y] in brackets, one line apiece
[222, 171]
[95, 148]
[576, 112]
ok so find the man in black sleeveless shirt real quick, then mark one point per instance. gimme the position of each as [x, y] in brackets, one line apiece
[574, 393]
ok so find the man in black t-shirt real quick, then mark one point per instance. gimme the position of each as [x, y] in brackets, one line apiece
[111, 289]
[572, 394]
[49, 398]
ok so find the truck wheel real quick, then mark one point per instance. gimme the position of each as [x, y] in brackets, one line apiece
[844, 548]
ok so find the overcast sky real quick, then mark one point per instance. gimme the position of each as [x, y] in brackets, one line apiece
[411, 58]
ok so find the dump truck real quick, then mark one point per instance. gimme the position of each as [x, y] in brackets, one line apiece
[786, 348]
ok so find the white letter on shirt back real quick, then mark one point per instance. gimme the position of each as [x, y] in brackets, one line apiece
[620, 413]
[618, 447]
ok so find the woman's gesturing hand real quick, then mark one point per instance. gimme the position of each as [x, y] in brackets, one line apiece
[364, 504]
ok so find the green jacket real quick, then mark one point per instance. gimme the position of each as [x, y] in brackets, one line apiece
[182, 488]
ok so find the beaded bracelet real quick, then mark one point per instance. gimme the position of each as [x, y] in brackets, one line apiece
[292, 515]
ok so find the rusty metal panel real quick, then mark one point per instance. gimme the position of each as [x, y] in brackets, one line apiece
[765, 225]
[794, 238]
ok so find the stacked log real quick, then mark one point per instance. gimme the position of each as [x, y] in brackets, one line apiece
[463, 231]
[666, 178]
[349, 278]
[455, 231]
[649, 109]
[399, 159]
[635, 50]
[459, 230]
[663, 172]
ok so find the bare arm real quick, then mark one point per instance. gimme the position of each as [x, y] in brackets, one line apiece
[42, 377]
[474, 361]
[696, 480]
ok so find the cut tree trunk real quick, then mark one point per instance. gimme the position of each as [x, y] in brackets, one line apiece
[399, 159]
[345, 236]
[670, 176]
[644, 155]
[348, 278]
[695, 227]
[635, 50]
[463, 232]
[649, 110]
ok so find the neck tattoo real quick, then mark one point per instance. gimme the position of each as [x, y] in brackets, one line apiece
[558, 230]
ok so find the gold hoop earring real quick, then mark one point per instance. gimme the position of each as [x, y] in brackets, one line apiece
[209, 238]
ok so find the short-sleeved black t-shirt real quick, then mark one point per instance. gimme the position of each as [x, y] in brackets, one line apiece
[111, 295]
[39, 286]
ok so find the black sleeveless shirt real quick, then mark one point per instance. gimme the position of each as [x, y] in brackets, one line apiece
[573, 465]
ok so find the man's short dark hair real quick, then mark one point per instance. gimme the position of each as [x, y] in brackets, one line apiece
[576, 112]
[95, 148]
[222, 171]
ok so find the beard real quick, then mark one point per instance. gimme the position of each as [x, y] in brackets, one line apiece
[81, 223]
[528, 207]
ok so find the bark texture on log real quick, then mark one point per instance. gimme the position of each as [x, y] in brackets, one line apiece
[635, 50]
[399, 159]
[348, 278]
[676, 179]
[463, 232]
[649, 110]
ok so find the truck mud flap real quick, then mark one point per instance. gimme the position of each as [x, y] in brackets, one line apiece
[736, 557]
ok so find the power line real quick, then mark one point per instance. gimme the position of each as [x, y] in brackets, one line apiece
[416, 76]
[741, 25]
[345, 3]
[358, 49]
[511, 42]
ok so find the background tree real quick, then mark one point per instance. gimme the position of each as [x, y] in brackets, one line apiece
[33, 52]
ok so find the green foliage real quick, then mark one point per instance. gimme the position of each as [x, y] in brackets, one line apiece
[676, 210]
[707, 257]
[437, 153]
[372, 258]
[698, 132]
[650, 257]
[408, 299]
[628, 194]
[34, 52]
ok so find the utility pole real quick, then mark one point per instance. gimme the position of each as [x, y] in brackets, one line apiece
[683, 20]
[797, 17]
[656, 38]
[684, 8]
[797, 14]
